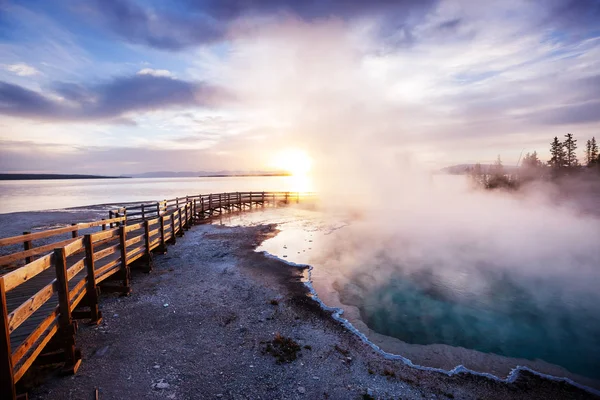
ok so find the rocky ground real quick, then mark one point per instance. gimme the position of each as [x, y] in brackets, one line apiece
[215, 319]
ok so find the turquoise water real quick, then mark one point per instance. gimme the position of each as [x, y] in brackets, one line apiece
[524, 317]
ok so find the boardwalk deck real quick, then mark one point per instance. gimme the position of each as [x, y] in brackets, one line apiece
[39, 299]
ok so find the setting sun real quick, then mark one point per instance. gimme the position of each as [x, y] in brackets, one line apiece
[294, 161]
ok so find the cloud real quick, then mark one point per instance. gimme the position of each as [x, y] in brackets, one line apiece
[191, 23]
[109, 100]
[21, 69]
[155, 72]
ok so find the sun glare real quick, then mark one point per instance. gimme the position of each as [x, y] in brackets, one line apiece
[294, 161]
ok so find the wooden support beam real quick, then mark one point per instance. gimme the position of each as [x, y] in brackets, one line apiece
[27, 246]
[143, 211]
[91, 289]
[125, 270]
[163, 243]
[173, 239]
[103, 225]
[67, 326]
[147, 245]
[75, 233]
[7, 383]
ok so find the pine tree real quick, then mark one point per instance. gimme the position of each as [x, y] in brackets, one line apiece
[531, 160]
[557, 153]
[588, 153]
[594, 156]
[570, 145]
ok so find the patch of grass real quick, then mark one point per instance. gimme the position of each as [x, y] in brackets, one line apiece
[274, 302]
[284, 349]
[308, 347]
[367, 396]
[371, 372]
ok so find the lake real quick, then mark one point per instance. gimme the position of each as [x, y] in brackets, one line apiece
[36, 195]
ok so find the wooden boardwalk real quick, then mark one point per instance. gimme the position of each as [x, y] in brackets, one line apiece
[40, 299]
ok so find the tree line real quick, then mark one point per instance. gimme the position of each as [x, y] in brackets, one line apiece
[563, 161]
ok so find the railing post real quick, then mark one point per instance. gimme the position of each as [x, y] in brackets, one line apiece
[250, 200]
[124, 266]
[117, 214]
[177, 202]
[103, 225]
[75, 233]
[286, 197]
[7, 381]
[110, 216]
[163, 243]
[67, 326]
[27, 246]
[143, 212]
[201, 207]
[210, 207]
[173, 239]
[297, 197]
[147, 239]
[263, 199]
[92, 289]
[274, 202]
[180, 222]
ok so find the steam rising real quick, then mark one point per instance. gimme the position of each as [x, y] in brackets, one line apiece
[372, 146]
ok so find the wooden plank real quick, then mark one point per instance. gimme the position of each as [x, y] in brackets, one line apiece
[75, 268]
[155, 243]
[78, 297]
[134, 227]
[134, 255]
[21, 313]
[96, 237]
[99, 271]
[56, 231]
[7, 382]
[91, 279]
[25, 273]
[34, 336]
[73, 247]
[7, 259]
[134, 240]
[108, 273]
[99, 255]
[153, 232]
[25, 366]
[73, 359]
[123, 259]
[76, 289]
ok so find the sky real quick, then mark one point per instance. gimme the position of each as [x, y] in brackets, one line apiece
[131, 86]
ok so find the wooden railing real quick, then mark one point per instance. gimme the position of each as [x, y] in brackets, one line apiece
[40, 300]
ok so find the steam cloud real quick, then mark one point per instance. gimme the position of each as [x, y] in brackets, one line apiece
[372, 149]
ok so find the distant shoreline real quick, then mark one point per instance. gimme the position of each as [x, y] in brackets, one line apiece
[30, 177]
[241, 175]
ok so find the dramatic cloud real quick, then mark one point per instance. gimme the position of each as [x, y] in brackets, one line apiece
[115, 98]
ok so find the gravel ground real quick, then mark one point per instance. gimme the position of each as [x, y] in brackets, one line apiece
[201, 324]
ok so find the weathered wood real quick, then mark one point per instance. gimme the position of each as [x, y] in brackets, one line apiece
[99, 255]
[24, 311]
[75, 268]
[34, 336]
[9, 258]
[92, 291]
[55, 231]
[134, 240]
[124, 265]
[7, 381]
[23, 274]
[73, 247]
[27, 246]
[25, 366]
[67, 327]
[99, 236]
[173, 239]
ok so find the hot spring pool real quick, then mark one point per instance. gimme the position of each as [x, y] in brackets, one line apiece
[480, 316]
